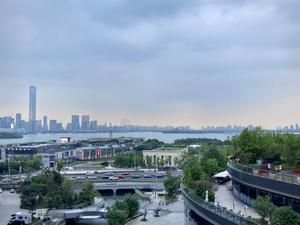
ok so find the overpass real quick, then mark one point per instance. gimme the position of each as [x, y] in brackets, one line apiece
[112, 188]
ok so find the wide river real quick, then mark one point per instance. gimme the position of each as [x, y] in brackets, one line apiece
[165, 137]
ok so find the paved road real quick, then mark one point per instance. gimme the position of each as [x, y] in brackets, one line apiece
[123, 176]
[9, 204]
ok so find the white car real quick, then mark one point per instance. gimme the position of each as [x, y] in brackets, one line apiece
[113, 178]
[6, 180]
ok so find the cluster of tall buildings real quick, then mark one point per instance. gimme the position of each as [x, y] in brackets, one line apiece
[78, 123]
[32, 125]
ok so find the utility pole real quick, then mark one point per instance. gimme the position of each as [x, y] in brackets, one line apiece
[8, 162]
[134, 157]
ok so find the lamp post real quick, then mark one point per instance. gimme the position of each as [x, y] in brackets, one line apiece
[8, 164]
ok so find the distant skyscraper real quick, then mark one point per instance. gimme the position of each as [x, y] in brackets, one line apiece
[32, 108]
[75, 122]
[45, 123]
[53, 126]
[18, 120]
[85, 122]
[94, 125]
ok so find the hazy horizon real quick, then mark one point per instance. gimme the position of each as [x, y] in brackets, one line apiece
[171, 62]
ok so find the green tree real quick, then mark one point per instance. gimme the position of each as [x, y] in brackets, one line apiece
[51, 190]
[285, 215]
[87, 194]
[264, 207]
[202, 186]
[129, 160]
[121, 210]
[171, 184]
[148, 161]
[193, 170]
[116, 216]
[59, 165]
[210, 166]
[132, 204]
[149, 145]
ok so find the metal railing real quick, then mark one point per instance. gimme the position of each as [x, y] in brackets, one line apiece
[236, 218]
[270, 174]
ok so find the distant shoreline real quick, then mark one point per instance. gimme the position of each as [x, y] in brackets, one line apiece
[9, 135]
[200, 132]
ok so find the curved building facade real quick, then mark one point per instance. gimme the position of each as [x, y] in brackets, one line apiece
[248, 183]
[198, 212]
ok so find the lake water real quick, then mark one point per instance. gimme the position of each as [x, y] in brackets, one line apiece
[165, 137]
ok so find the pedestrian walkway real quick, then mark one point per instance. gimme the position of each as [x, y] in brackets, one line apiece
[226, 199]
[173, 213]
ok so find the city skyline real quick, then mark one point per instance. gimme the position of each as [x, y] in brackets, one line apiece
[194, 63]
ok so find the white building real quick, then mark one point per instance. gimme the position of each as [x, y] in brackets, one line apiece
[24, 217]
[164, 156]
[41, 213]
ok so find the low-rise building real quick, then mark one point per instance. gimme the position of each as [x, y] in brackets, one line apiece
[164, 156]
[21, 217]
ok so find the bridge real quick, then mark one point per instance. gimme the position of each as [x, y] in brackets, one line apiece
[113, 188]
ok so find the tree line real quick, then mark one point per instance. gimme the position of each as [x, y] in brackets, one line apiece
[21, 164]
[268, 146]
[51, 190]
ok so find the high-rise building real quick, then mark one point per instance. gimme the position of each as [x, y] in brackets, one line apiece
[18, 120]
[85, 122]
[45, 123]
[53, 126]
[32, 108]
[6, 122]
[75, 122]
[94, 125]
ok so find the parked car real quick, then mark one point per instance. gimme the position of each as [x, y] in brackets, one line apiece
[121, 177]
[135, 176]
[109, 174]
[92, 177]
[1, 190]
[147, 176]
[158, 176]
[125, 174]
[113, 178]
[6, 180]
[80, 178]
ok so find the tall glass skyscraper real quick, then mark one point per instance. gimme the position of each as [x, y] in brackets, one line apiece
[75, 122]
[32, 108]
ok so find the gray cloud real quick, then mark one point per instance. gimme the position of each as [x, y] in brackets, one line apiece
[212, 61]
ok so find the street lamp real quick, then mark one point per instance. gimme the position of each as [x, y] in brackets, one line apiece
[8, 164]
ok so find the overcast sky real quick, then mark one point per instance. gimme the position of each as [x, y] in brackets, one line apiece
[165, 62]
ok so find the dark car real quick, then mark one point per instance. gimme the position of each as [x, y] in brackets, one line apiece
[136, 176]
